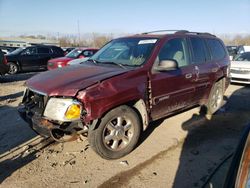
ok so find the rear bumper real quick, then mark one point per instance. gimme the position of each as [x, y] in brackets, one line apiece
[3, 69]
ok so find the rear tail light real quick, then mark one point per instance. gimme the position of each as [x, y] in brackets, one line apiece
[5, 60]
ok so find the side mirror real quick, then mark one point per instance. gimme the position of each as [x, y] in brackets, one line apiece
[81, 56]
[166, 65]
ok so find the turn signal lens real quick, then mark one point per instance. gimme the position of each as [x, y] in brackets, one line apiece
[73, 111]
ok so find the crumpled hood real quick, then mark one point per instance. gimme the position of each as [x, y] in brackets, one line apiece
[240, 64]
[69, 80]
[60, 59]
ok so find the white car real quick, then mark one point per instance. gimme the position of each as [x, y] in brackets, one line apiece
[240, 69]
[78, 61]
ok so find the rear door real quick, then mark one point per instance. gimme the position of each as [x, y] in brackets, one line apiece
[44, 55]
[173, 89]
[201, 60]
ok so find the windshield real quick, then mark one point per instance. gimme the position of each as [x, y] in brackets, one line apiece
[17, 51]
[126, 51]
[74, 53]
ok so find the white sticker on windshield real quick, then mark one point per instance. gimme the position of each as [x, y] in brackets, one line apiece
[148, 41]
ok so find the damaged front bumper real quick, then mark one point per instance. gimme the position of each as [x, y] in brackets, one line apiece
[40, 125]
[61, 132]
[32, 109]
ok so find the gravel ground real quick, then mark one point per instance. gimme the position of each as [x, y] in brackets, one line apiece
[179, 151]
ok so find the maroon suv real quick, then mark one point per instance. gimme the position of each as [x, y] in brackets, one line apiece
[128, 83]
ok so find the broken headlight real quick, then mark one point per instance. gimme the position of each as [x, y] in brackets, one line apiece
[63, 109]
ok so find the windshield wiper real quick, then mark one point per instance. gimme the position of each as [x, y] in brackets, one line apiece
[114, 63]
[93, 61]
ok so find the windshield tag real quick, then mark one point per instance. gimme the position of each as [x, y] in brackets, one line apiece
[148, 41]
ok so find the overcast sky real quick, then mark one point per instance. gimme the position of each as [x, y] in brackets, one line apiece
[122, 16]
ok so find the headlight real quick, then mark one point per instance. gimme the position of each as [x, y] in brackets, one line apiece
[63, 109]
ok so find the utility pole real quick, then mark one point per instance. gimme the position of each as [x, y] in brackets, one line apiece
[78, 33]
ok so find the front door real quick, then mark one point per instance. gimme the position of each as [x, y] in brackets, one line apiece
[29, 58]
[172, 89]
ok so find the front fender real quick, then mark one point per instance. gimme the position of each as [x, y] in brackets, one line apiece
[102, 97]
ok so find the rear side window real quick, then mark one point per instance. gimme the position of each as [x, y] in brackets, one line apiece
[175, 49]
[42, 50]
[57, 50]
[198, 49]
[216, 48]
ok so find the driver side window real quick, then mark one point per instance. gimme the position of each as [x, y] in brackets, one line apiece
[30, 51]
[175, 49]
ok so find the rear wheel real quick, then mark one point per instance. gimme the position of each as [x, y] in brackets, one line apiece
[13, 68]
[215, 98]
[117, 133]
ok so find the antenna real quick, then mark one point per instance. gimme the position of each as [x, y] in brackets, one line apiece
[78, 33]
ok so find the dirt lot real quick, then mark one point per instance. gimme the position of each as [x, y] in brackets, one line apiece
[179, 151]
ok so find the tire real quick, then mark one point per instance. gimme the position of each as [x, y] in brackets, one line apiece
[117, 133]
[13, 68]
[215, 98]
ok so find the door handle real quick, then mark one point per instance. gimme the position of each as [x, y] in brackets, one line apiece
[214, 69]
[188, 76]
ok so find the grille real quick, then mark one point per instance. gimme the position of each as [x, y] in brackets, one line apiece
[34, 101]
[240, 71]
[241, 79]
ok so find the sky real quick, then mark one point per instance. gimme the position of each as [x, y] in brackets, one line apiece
[60, 17]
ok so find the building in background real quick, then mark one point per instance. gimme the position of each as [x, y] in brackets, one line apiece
[23, 42]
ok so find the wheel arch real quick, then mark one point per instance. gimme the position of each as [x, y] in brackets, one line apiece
[138, 106]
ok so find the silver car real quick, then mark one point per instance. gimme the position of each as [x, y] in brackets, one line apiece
[240, 69]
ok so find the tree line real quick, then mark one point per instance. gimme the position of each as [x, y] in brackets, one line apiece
[98, 40]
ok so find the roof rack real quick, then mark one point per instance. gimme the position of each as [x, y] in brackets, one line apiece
[165, 31]
[179, 32]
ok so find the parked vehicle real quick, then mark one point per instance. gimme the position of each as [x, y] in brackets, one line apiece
[74, 54]
[232, 51]
[240, 69]
[32, 58]
[7, 50]
[4, 68]
[67, 50]
[128, 83]
[78, 61]
[242, 49]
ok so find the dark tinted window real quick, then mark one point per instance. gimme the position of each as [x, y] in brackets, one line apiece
[175, 49]
[57, 50]
[216, 49]
[43, 50]
[198, 49]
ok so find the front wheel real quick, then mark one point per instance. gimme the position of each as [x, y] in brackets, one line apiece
[117, 133]
[215, 98]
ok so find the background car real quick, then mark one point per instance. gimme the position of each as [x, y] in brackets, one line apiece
[232, 51]
[242, 49]
[32, 58]
[240, 68]
[4, 68]
[78, 61]
[74, 54]
[67, 49]
[7, 50]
